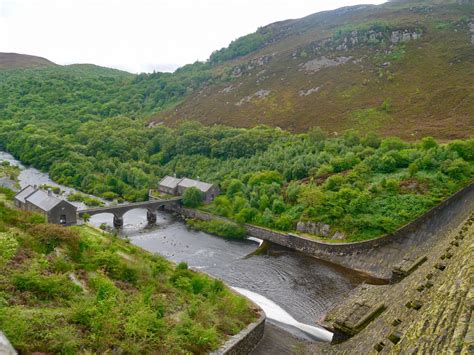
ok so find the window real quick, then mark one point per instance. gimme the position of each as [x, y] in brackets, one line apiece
[62, 219]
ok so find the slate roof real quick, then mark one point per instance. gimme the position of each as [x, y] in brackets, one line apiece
[170, 182]
[20, 196]
[203, 186]
[43, 200]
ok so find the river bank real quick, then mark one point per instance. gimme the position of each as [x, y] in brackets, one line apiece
[299, 286]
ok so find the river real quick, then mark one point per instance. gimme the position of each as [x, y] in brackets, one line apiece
[294, 290]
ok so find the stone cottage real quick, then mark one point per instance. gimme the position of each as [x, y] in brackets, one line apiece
[54, 209]
[174, 186]
[169, 185]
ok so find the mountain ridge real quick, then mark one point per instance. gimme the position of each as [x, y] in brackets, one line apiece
[403, 68]
[17, 60]
[409, 73]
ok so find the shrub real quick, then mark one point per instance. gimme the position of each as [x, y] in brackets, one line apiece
[457, 169]
[109, 195]
[371, 140]
[278, 206]
[50, 236]
[192, 197]
[195, 338]
[8, 247]
[428, 143]
[393, 143]
[284, 223]
[465, 149]
[265, 177]
[235, 186]
[51, 287]
[220, 228]
[247, 215]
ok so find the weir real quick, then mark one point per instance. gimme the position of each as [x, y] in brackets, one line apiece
[278, 314]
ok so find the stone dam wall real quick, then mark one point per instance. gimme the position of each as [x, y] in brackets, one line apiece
[245, 341]
[375, 257]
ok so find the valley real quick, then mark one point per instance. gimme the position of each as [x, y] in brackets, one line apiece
[343, 139]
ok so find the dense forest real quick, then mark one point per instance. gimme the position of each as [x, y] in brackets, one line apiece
[362, 186]
[87, 127]
[77, 290]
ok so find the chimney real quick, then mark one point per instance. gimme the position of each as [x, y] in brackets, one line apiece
[50, 193]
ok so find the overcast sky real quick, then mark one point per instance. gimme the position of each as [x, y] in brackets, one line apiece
[140, 35]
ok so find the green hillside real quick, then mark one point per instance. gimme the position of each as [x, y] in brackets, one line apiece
[78, 290]
[403, 68]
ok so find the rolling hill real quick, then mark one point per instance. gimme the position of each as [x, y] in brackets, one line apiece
[405, 68]
[18, 61]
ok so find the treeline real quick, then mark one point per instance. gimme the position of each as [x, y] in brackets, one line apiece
[362, 186]
[79, 93]
[241, 46]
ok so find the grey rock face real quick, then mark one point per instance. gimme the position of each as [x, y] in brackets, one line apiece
[317, 64]
[260, 94]
[471, 30]
[309, 92]
[316, 228]
[5, 346]
[404, 36]
[339, 236]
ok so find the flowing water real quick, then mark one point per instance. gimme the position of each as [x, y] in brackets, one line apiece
[294, 290]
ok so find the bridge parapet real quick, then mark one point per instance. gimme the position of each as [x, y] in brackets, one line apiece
[119, 210]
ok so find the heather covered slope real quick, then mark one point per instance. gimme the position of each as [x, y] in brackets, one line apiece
[402, 68]
[17, 61]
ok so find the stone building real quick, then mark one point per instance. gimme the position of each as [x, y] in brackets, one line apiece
[174, 186]
[169, 185]
[55, 210]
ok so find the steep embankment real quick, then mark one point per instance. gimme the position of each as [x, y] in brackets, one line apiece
[78, 290]
[18, 61]
[403, 68]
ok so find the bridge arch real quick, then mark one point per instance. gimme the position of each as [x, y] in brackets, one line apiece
[119, 211]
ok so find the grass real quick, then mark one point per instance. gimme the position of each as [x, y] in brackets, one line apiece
[79, 290]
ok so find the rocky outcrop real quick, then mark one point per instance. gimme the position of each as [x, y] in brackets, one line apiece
[260, 94]
[242, 69]
[317, 64]
[471, 30]
[5, 346]
[320, 229]
[309, 91]
[404, 36]
[316, 228]
[359, 38]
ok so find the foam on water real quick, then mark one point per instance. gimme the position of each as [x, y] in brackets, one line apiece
[253, 239]
[276, 313]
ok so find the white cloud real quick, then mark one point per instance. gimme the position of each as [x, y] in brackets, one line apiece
[139, 35]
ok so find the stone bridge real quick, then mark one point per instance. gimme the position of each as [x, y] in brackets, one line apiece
[119, 210]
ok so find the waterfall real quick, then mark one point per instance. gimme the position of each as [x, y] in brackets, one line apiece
[276, 313]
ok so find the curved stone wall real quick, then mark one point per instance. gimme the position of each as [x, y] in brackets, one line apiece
[377, 256]
[246, 340]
